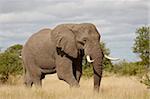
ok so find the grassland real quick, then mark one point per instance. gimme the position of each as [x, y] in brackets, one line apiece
[112, 88]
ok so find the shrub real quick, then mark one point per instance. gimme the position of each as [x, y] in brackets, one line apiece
[130, 69]
[88, 72]
[141, 44]
[10, 64]
[146, 80]
[87, 69]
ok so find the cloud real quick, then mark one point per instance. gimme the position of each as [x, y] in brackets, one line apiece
[8, 6]
[116, 20]
[110, 10]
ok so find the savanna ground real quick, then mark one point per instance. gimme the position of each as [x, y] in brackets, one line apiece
[112, 87]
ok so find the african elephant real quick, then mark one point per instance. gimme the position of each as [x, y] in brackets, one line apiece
[61, 50]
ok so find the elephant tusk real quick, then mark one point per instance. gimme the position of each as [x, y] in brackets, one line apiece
[88, 59]
[111, 58]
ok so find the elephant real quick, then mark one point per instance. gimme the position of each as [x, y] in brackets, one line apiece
[61, 50]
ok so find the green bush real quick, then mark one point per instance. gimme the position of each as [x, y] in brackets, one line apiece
[130, 69]
[146, 80]
[141, 44]
[10, 63]
[87, 69]
[88, 72]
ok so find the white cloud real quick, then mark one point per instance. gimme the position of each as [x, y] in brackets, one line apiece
[116, 20]
[24, 17]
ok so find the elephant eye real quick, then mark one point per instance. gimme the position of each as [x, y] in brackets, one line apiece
[81, 43]
[84, 40]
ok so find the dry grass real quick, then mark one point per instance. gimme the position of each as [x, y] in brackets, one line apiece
[112, 88]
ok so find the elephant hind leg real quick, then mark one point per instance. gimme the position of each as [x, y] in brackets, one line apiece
[38, 80]
[30, 80]
[28, 83]
[33, 76]
[27, 80]
[33, 80]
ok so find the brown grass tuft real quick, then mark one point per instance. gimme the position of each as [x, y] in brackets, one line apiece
[111, 88]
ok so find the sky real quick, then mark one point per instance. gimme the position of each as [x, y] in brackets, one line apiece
[116, 20]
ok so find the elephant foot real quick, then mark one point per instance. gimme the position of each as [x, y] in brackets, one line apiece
[38, 83]
[74, 84]
[96, 89]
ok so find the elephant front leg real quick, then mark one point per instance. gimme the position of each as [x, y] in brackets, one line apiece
[77, 71]
[65, 71]
[27, 80]
[77, 64]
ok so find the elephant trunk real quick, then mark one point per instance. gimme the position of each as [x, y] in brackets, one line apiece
[96, 56]
[97, 68]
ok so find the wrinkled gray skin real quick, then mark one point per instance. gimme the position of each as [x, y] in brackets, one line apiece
[61, 50]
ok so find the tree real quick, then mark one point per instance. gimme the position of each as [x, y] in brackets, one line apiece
[15, 49]
[10, 63]
[141, 45]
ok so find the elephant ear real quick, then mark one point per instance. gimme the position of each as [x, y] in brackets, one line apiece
[65, 39]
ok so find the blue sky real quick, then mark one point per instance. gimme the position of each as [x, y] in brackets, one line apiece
[116, 20]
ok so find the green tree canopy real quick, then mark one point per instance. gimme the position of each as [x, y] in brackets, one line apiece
[141, 45]
[15, 49]
[10, 63]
